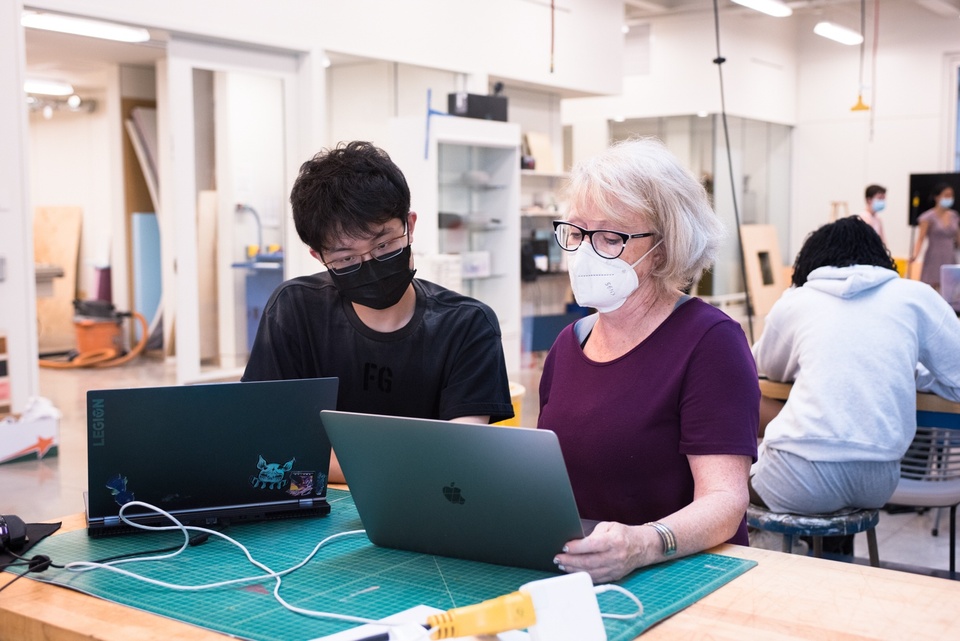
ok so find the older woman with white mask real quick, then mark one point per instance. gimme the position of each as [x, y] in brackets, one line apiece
[654, 398]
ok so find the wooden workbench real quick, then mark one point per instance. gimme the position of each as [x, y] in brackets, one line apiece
[925, 402]
[783, 597]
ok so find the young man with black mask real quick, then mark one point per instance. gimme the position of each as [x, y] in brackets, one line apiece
[399, 345]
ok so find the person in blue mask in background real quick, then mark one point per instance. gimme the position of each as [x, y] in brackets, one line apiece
[940, 227]
[876, 202]
[399, 345]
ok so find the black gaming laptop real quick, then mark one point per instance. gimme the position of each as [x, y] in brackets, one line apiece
[208, 454]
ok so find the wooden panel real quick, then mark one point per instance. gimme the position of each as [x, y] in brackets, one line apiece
[136, 194]
[765, 273]
[56, 241]
[540, 148]
[207, 274]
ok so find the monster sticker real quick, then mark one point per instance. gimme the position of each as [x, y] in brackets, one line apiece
[301, 483]
[272, 476]
[118, 488]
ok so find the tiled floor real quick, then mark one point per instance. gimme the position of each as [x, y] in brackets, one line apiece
[46, 489]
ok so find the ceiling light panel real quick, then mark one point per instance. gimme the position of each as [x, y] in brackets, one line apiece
[837, 33]
[83, 27]
[773, 8]
[47, 87]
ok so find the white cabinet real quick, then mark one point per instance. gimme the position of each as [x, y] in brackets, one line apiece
[464, 178]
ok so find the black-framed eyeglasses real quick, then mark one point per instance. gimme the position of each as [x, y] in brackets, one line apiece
[607, 243]
[383, 251]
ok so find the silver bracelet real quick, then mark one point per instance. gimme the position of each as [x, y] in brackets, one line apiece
[667, 537]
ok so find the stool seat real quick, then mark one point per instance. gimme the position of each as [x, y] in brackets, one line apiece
[840, 523]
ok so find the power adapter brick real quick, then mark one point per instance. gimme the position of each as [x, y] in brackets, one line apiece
[566, 608]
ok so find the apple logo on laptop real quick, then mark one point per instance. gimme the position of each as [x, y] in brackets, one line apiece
[452, 493]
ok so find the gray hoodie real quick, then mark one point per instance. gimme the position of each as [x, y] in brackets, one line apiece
[851, 339]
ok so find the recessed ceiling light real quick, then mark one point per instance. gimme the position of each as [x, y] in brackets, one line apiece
[47, 87]
[83, 27]
[773, 8]
[837, 33]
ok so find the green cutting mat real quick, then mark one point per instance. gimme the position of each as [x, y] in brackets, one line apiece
[348, 576]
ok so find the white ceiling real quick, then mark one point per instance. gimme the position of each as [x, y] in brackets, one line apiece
[642, 9]
[64, 57]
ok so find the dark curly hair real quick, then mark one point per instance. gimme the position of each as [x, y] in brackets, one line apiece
[349, 190]
[848, 241]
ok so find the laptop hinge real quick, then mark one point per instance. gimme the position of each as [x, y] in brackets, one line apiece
[111, 521]
[306, 502]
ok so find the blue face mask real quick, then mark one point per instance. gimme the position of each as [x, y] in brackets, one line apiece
[877, 205]
[946, 203]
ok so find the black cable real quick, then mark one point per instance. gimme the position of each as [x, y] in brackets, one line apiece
[719, 60]
[41, 562]
[38, 563]
[37, 559]
[197, 539]
[14, 564]
[15, 579]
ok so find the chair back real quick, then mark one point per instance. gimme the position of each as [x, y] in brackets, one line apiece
[934, 455]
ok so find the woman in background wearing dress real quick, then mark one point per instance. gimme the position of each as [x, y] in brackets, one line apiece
[940, 226]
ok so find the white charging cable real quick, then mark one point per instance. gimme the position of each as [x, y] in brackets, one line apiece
[85, 566]
[608, 587]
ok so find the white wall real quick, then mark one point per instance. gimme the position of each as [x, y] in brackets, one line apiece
[364, 96]
[18, 312]
[69, 165]
[680, 78]
[778, 71]
[835, 154]
[504, 38]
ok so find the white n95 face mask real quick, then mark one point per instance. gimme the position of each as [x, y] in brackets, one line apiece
[602, 283]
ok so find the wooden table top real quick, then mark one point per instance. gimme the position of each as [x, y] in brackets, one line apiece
[784, 597]
[925, 402]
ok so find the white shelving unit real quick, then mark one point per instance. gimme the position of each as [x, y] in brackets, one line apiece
[541, 202]
[464, 178]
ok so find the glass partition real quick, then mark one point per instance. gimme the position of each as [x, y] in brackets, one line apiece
[760, 155]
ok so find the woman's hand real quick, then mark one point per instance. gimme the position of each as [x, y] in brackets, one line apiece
[612, 551]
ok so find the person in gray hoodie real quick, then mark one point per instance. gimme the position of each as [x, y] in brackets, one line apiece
[857, 342]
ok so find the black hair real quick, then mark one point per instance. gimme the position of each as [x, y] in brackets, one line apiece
[349, 190]
[848, 241]
[938, 189]
[873, 190]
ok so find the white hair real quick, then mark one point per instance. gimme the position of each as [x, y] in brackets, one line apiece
[639, 185]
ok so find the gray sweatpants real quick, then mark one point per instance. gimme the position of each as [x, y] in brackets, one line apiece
[789, 483]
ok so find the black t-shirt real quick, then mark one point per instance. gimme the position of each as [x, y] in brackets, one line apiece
[447, 362]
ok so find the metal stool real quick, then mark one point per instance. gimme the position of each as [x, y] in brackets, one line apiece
[818, 526]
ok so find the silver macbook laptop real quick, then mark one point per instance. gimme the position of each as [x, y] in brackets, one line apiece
[208, 454]
[479, 492]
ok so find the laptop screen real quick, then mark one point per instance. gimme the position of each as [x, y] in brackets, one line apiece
[209, 452]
